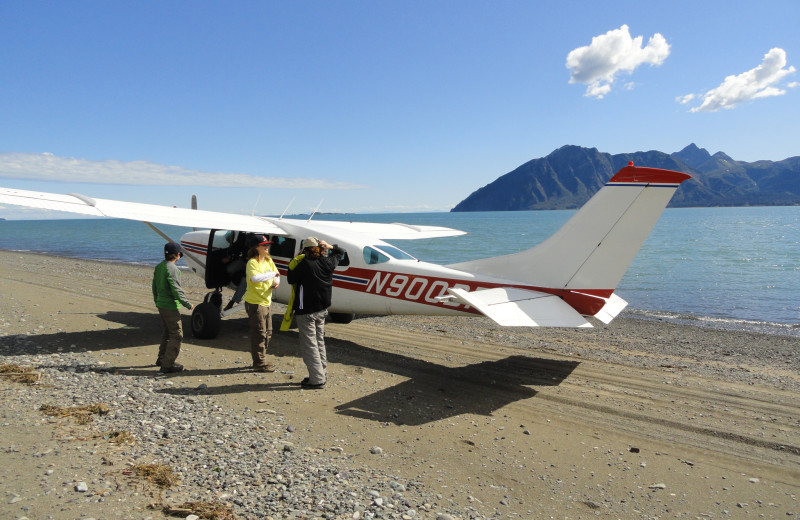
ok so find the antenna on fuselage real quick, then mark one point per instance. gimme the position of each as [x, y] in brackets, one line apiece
[287, 208]
[315, 210]
[194, 206]
[253, 212]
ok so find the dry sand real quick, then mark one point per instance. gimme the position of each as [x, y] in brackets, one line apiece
[638, 419]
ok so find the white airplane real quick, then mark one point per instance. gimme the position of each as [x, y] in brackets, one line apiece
[557, 283]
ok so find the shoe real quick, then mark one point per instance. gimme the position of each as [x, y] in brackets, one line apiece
[159, 362]
[171, 370]
[309, 386]
[269, 367]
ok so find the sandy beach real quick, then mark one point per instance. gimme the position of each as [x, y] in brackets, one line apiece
[421, 418]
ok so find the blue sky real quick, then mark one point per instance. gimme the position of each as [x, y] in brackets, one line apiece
[375, 106]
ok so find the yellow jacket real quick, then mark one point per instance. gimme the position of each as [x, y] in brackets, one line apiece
[260, 293]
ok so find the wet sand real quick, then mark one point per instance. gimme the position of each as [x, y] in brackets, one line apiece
[637, 419]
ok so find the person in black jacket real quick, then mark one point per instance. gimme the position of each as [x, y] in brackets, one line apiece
[313, 282]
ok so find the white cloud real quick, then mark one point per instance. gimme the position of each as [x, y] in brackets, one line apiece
[611, 54]
[48, 167]
[756, 83]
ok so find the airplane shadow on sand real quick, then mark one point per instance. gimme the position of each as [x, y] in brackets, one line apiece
[429, 391]
[434, 392]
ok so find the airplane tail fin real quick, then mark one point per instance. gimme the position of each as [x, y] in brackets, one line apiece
[584, 260]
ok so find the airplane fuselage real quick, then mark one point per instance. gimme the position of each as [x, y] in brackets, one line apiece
[388, 286]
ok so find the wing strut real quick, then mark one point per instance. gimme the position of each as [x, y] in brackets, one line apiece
[168, 239]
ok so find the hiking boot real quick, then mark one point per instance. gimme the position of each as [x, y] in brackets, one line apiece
[307, 385]
[269, 367]
[171, 370]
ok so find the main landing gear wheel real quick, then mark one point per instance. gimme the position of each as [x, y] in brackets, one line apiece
[206, 317]
[341, 317]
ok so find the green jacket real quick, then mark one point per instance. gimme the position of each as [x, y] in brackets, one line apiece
[167, 290]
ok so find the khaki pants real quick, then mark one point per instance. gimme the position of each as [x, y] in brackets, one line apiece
[260, 331]
[311, 330]
[171, 337]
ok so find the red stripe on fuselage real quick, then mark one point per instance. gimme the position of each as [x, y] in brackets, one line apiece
[426, 289]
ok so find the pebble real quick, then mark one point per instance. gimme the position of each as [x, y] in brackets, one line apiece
[219, 449]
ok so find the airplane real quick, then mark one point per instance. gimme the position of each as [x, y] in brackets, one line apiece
[560, 282]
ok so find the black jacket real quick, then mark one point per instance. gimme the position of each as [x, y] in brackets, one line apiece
[313, 277]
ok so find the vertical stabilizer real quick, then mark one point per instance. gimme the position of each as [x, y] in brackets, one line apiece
[592, 251]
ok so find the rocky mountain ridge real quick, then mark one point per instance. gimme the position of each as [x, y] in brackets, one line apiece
[570, 175]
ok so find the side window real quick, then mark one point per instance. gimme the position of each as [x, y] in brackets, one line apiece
[282, 247]
[372, 256]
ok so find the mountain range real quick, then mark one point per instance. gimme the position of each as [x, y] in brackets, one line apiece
[570, 175]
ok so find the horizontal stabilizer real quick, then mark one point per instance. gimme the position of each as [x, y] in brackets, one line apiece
[513, 307]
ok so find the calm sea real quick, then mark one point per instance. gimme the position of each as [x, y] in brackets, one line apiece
[719, 267]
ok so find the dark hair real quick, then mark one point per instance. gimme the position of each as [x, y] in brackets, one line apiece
[313, 251]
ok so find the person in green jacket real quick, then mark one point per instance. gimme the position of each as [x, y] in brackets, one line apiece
[169, 297]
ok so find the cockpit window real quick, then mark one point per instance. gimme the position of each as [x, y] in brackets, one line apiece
[399, 254]
[223, 239]
[372, 256]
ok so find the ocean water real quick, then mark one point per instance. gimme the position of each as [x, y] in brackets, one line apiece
[717, 267]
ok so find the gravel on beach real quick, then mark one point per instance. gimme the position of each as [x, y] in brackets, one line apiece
[252, 458]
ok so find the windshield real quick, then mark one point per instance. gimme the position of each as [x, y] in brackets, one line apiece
[395, 253]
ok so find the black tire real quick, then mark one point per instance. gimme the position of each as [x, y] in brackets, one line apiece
[341, 317]
[206, 321]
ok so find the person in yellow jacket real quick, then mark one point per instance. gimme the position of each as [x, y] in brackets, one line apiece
[286, 324]
[262, 277]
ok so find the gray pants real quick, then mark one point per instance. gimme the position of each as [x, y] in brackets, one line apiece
[171, 337]
[311, 329]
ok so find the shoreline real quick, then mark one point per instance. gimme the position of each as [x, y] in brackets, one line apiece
[689, 320]
[423, 417]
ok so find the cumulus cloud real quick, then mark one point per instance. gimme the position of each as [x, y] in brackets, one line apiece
[599, 64]
[756, 83]
[48, 167]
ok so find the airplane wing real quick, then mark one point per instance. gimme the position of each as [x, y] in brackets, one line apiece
[76, 203]
[513, 307]
[81, 204]
[395, 231]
